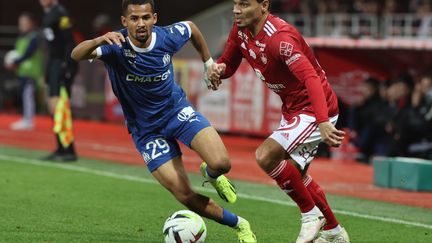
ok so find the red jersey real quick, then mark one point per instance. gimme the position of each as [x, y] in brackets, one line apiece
[283, 60]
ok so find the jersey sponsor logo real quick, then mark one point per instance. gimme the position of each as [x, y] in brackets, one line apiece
[243, 45]
[275, 87]
[49, 34]
[285, 48]
[144, 79]
[259, 74]
[129, 53]
[292, 59]
[252, 54]
[260, 45]
[187, 114]
[166, 59]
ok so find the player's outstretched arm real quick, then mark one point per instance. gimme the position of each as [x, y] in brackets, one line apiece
[86, 49]
[199, 42]
[200, 45]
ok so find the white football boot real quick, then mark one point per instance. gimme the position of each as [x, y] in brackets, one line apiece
[327, 237]
[311, 224]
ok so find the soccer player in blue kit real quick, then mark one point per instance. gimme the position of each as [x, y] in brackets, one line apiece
[138, 60]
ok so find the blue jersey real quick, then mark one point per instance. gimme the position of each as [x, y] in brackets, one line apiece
[143, 78]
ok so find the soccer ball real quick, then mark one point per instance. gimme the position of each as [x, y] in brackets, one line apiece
[184, 226]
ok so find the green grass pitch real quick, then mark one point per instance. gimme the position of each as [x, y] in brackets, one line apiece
[97, 201]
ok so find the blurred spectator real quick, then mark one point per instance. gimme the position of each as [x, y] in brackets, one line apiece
[423, 24]
[370, 116]
[28, 66]
[102, 24]
[413, 125]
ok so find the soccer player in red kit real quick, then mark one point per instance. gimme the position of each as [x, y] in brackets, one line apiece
[283, 60]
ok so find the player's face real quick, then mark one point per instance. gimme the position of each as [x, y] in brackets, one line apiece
[46, 3]
[248, 13]
[25, 24]
[139, 21]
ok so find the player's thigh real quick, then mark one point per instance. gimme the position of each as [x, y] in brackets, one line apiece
[269, 154]
[208, 144]
[154, 148]
[172, 175]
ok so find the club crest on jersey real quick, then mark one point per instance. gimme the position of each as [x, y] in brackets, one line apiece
[166, 59]
[129, 53]
[263, 57]
[285, 48]
[187, 114]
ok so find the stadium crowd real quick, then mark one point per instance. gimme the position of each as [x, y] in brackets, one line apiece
[390, 17]
[393, 117]
[375, 7]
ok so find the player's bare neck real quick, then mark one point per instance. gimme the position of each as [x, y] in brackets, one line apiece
[141, 44]
[255, 29]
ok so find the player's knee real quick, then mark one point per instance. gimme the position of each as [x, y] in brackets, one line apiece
[262, 158]
[222, 165]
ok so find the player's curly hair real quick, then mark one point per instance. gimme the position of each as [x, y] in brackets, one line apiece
[126, 3]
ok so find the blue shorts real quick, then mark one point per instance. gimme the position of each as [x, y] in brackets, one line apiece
[160, 146]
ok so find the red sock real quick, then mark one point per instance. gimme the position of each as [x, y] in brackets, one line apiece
[320, 200]
[289, 180]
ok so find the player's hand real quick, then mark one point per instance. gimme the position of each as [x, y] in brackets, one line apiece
[10, 66]
[214, 74]
[112, 38]
[330, 135]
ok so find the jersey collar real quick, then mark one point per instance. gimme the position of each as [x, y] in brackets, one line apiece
[147, 49]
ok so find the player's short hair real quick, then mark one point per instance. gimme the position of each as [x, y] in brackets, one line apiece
[126, 3]
[260, 1]
[28, 15]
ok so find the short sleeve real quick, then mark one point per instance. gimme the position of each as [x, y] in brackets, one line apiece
[178, 34]
[104, 52]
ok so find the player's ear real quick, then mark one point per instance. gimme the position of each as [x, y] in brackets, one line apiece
[265, 6]
[123, 21]
[154, 18]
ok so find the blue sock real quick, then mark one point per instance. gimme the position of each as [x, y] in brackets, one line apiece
[229, 218]
[211, 176]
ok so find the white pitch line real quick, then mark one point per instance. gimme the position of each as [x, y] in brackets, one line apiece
[246, 196]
